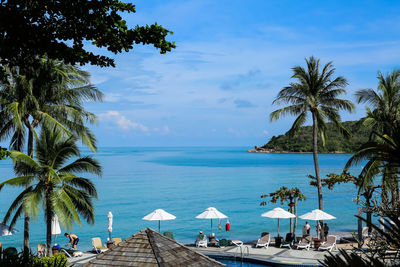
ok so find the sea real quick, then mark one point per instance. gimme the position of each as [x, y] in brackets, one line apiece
[185, 181]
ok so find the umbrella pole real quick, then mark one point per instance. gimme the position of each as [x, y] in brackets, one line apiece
[55, 238]
[278, 227]
[211, 228]
[159, 227]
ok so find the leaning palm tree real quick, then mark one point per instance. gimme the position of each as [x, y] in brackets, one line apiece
[53, 182]
[314, 92]
[383, 117]
[48, 94]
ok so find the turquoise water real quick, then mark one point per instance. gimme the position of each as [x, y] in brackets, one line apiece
[232, 263]
[185, 181]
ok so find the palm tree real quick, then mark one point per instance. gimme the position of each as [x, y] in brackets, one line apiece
[383, 157]
[384, 119]
[54, 186]
[316, 92]
[49, 93]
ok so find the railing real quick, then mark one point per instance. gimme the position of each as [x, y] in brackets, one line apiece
[242, 252]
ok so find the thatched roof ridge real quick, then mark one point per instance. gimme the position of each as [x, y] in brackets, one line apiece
[150, 248]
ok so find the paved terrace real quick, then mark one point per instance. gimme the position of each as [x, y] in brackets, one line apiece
[271, 254]
[275, 255]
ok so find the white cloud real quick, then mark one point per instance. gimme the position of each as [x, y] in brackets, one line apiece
[163, 130]
[112, 97]
[123, 122]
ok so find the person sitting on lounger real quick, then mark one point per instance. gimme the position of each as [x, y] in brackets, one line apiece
[201, 240]
[73, 239]
[200, 236]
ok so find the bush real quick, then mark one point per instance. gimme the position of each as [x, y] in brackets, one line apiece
[21, 260]
[58, 260]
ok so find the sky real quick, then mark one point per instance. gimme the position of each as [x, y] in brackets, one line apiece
[232, 58]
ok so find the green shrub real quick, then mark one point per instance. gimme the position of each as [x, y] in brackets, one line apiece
[58, 260]
[21, 260]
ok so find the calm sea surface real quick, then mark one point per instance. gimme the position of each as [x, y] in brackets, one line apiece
[185, 181]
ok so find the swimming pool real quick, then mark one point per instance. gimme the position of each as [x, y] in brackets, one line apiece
[233, 263]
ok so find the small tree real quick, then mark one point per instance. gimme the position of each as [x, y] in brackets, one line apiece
[292, 196]
[364, 190]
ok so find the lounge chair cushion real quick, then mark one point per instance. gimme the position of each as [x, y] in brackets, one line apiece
[117, 240]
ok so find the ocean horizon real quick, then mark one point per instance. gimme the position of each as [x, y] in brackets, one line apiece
[185, 181]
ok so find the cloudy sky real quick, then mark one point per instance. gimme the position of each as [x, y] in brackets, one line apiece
[232, 58]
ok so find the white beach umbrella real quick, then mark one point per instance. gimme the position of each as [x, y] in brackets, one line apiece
[211, 213]
[159, 215]
[110, 222]
[278, 213]
[55, 227]
[6, 230]
[317, 215]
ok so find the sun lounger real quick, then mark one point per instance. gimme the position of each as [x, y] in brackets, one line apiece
[263, 241]
[98, 246]
[71, 253]
[305, 242]
[289, 240]
[117, 240]
[237, 243]
[329, 244]
[201, 241]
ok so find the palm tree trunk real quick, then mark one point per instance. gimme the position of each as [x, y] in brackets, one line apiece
[27, 218]
[49, 216]
[316, 164]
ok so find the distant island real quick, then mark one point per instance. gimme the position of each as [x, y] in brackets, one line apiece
[302, 141]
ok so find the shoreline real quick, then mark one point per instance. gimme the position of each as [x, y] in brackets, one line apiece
[274, 151]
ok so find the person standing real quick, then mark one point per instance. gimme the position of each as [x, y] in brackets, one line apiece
[73, 239]
[308, 228]
[326, 231]
[318, 228]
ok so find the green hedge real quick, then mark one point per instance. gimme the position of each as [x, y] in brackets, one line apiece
[58, 260]
[19, 259]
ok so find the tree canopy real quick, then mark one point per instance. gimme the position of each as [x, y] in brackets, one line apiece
[3, 153]
[61, 29]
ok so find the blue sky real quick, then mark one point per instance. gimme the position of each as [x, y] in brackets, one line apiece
[232, 58]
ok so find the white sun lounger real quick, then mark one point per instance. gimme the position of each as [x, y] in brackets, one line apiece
[201, 242]
[329, 244]
[305, 242]
[263, 241]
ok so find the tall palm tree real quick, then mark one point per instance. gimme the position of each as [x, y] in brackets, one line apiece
[53, 182]
[314, 92]
[49, 93]
[384, 118]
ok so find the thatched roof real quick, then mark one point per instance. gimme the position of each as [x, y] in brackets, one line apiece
[149, 248]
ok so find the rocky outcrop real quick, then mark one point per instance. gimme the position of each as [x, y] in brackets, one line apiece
[257, 149]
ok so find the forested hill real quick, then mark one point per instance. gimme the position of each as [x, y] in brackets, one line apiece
[335, 142]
